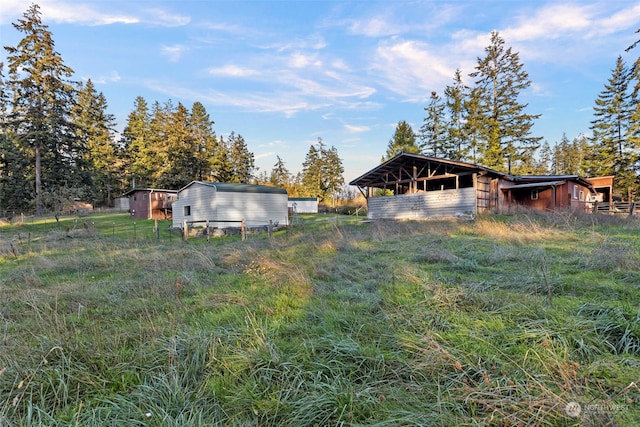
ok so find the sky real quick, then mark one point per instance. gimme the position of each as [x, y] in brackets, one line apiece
[284, 73]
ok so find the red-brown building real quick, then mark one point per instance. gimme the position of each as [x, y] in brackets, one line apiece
[151, 203]
[548, 192]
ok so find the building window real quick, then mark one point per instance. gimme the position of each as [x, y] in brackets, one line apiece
[135, 198]
[575, 191]
[534, 194]
[187, 211]
[581, 196]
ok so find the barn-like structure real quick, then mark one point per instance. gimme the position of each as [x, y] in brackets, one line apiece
[418, 186]
[225, 205]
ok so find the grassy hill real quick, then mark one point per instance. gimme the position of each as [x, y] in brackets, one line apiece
[526, 320]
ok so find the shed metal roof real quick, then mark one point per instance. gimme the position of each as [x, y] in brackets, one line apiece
[227, 187]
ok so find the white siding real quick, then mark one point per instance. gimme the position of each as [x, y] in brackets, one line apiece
[423, 205]
[257, 209]
[304, 205]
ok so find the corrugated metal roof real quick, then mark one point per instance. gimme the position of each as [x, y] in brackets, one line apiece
[376, 176]
[533, 185]
[155, 190]
[227, 187]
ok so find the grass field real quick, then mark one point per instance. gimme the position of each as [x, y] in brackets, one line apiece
[530, 320]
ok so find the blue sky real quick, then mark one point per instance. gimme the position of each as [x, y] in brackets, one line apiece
[283, 74]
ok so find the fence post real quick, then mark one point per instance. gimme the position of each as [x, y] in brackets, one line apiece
[243, 230]
[157, 230]
[270, 228]
[185, 231]
[206, 230]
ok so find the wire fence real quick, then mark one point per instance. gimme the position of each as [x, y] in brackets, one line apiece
[125, 227]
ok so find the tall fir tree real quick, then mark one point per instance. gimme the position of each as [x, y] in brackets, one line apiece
[42, 95]
[455, 96]
[242, 160]
[205, 143]
[504, 125]
[179, 150]
[403, 140]
[280, 176]
[612, 152]
[473, 127]
[95, 127]
[433, 132]
[221, 167]
[136, 144]
[322, 173]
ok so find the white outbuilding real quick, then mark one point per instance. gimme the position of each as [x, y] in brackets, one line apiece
[225, 205]
[303, 205]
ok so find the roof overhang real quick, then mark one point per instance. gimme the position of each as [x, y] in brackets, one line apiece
[533, 185]
[400, 169]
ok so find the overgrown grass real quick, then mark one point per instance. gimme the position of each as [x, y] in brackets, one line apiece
[496, 321]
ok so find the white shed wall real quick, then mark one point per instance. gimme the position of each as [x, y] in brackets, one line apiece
[257, 209]
[303, 206]
[423, 205]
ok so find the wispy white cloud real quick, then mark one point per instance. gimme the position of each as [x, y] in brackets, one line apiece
[67, 12]
[301, 60]
[412, 68]
[356, 129]
[173, 52]
[231, 70]
[167, 18]
[112, 77]
[93, 13]
[551, 22]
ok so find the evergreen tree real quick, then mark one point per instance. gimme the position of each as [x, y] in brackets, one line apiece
[242, 160]
[504, 126]
[205, 143]
[613, 153]
[221, 167]
[280, 175]
[433, 130]
[455, 96]
[42, 95]
[178, 150]
[403, 140]
[545, 163]
[333, 173]
[94, 126]
[311, 179]
[136, 142]
[158, 156]
[472, 128]
[322, 172]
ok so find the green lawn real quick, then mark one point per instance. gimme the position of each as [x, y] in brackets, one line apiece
[336, 321]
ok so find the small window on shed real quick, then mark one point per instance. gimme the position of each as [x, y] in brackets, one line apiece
[534, 194]
[581, 196]
[187, 211]
[575, 191]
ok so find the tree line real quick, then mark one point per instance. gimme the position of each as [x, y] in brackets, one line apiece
[58, 141]
[486, 123]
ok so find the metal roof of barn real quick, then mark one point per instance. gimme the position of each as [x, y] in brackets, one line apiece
[379, 176]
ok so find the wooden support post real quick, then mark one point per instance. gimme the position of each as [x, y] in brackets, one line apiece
[185, 231]
[157, 230]
[243, 230]
[206, 230]
[270, 228]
